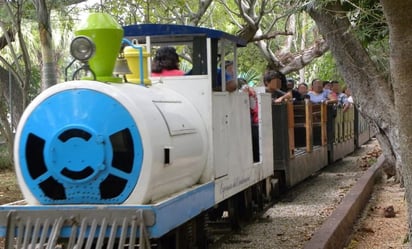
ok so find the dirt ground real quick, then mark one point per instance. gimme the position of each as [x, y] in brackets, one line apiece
[374, 230]
[379, 227]
[9, 189]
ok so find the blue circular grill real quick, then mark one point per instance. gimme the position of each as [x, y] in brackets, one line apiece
[80, 146]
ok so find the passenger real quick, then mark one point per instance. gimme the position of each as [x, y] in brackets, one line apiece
[166, 63]
[253, 102]
[317, 94]
[229, 74]
[290, 84]
[341, 98]
[303, 89]
[348, 93]
[296, 96]
[275, 83]
[254, 110]
[327, 85]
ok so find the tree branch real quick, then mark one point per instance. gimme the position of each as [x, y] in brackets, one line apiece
[270, 35]
[9, 35]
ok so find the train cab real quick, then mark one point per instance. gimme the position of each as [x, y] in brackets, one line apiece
[226, 114]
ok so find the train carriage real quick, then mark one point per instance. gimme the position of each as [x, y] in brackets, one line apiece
[307, 137]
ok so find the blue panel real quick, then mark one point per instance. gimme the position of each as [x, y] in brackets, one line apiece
[177, 211]
[174, 29]
[80, 146]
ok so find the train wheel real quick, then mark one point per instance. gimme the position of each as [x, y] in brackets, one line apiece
[258, 196]
[215, 214]
[168, 241]
[197, 232]
[240, 209]
[234, 213]
[191, 235]
[247, 209]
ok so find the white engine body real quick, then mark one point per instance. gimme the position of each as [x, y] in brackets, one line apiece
[173, 136]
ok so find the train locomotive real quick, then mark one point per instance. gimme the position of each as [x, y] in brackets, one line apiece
[114, 159]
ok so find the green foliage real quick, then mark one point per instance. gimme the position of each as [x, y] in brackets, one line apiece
[324, 68]
[4, 158]
[251, 60]
[366, 16]
[379, 53]
[35, 82]
[369, 25]
[252, 77]
[369, 21]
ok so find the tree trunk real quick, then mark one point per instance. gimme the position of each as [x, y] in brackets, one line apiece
[14, 78]
[398, 16]
[49, 76]
[385, 102]
[370, 88]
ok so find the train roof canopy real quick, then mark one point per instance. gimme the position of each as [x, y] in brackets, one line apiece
[164, 33]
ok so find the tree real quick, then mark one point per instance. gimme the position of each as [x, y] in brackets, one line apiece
[16, 65]
[260, 22]
[49, 77]
[371, 87]
[15, 76]
[49, 64]
[271, 27]
[398, 19]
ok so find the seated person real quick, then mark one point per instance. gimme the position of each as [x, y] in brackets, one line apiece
[275, 83]
[346, 90]
[291, 84]
[303, 89]
[327, 86]
[166, 63]
[290, 87]
[318, 94]
[231, 84]
[296, 96]
[341, 97]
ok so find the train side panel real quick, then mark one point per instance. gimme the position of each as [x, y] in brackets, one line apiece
[232, 144]
[363, 130]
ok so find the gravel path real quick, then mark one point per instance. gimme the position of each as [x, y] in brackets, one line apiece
[291, 222]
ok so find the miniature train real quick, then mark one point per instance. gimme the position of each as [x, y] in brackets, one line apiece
[124, 160]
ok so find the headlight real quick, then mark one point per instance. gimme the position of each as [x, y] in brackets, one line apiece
[82, 48]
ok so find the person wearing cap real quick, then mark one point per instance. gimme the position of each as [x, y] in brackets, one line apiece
[231, 84]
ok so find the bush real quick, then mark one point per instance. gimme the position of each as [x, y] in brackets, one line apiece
[5, 163]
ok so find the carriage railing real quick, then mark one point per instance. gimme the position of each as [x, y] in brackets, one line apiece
[309, 123]
[343, 121]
